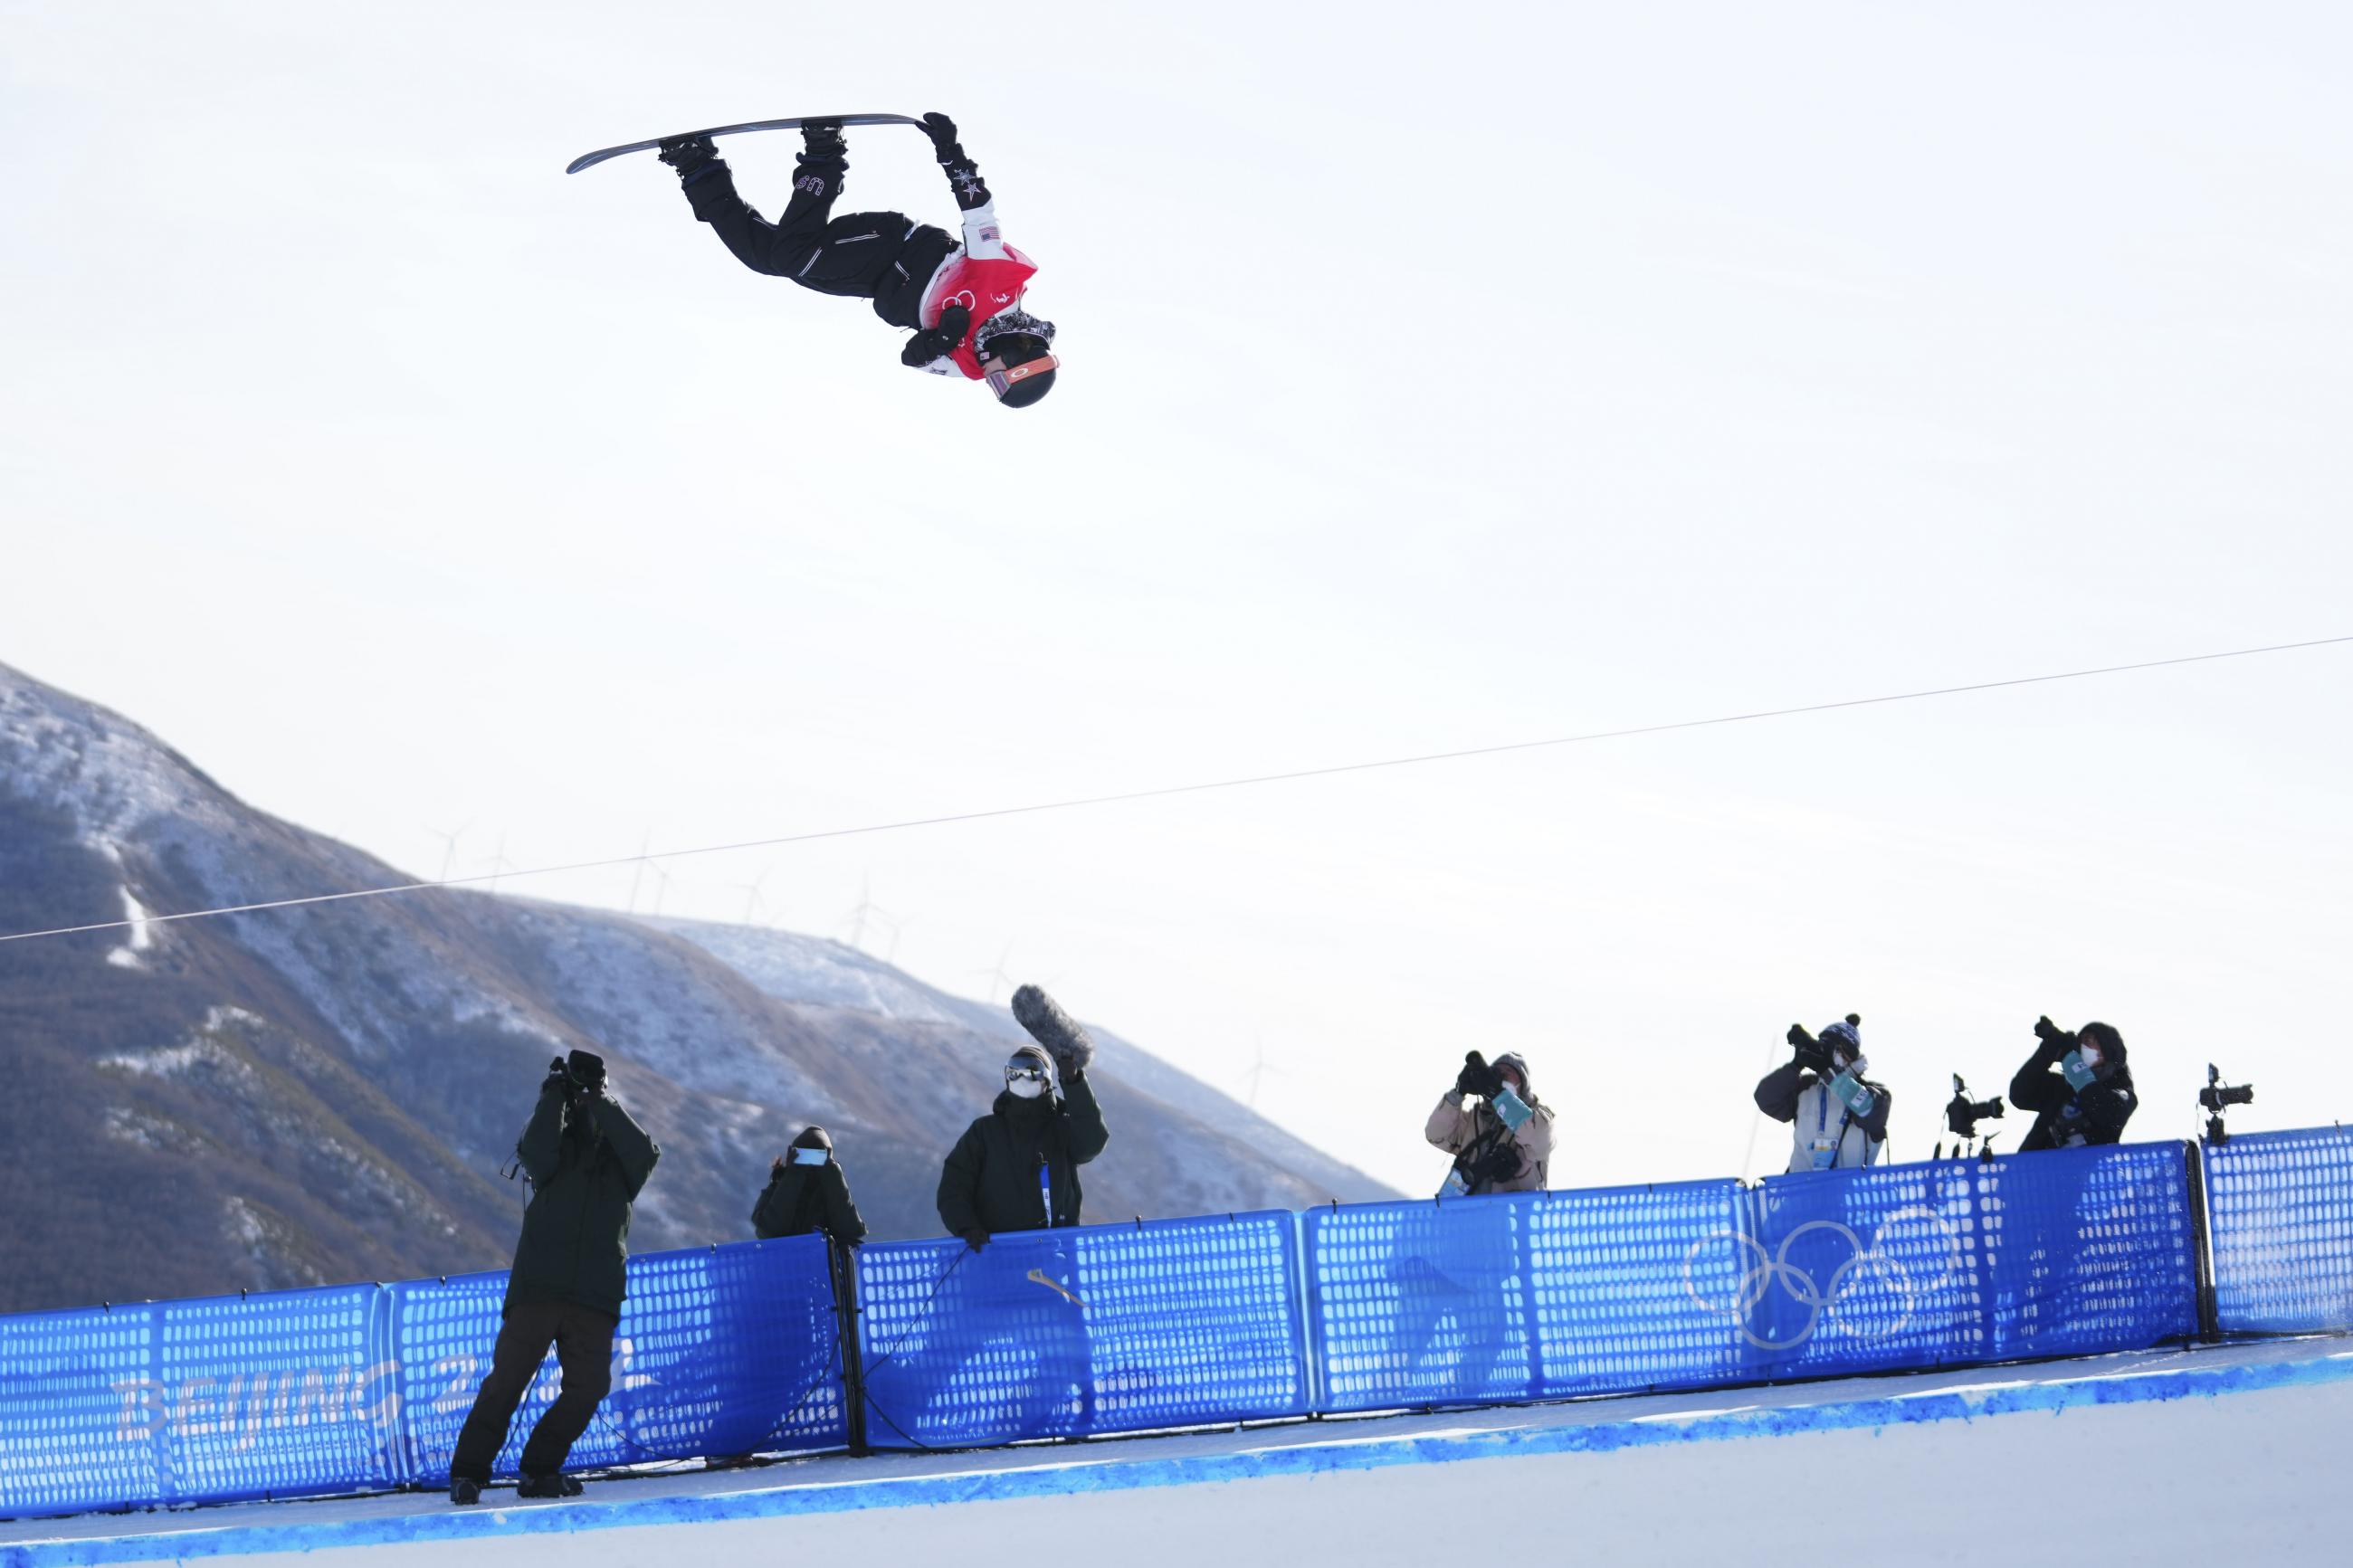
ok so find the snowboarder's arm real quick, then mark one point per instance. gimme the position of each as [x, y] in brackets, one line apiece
[960, 1183]
[1778, 1091]
[636, 1151]
[981, 238]
[929, 349]
[971, 191]
[1082, 1120]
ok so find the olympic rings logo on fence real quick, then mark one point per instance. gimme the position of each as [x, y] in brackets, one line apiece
[1822, 1300]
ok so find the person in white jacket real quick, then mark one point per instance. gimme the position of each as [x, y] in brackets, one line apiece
[1837, 1117]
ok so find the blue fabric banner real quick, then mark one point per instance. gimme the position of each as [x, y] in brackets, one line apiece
[1066, 1332]
[1522, 1296]
[720, 1349]
[2069, 1252]
[726, 1349]
[2280, 1221]
[1101, 1329]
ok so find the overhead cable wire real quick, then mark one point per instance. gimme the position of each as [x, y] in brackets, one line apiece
[1166, 790]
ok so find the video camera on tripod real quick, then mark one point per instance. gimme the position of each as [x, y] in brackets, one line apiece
[2216, 1097]
[1962, 1115]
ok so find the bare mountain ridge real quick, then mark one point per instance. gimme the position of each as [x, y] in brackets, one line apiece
[328, 1092]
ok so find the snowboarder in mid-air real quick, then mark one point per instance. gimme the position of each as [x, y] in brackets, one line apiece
[963, 301]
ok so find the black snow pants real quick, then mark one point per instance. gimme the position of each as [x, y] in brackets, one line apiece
[583, 1338]
[884, 256]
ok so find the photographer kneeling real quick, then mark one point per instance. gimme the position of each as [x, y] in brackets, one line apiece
[587, 1160]
[2077, 1084]
[1504, 1143]
[1837, 1117]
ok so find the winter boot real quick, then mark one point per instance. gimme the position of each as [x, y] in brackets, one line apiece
[548, 1486]
[690, 155]
[464, 1489]
[823, 142]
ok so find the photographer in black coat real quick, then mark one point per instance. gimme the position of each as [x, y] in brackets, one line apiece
[807, 1191]
[2077, 1084]
[587, 1160]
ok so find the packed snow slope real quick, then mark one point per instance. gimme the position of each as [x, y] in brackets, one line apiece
[2228, 1454]
[327, 1093]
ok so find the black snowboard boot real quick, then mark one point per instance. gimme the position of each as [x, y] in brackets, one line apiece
[464, 1489]
[690, 155]
[548, 1486]
[823, 142]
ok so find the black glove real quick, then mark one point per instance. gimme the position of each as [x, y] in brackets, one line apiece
[557, 1081]
[1476, 1077]
[2056, 1041]
[688, 155]
[943, 132]
[1810, 1053]
[975, 1238]
[971, 190]
[937, 342]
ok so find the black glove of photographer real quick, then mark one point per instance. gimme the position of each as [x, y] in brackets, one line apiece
[557, 1081]
[2056, 1041]
[1476, 1077]
[937, 342]
[1810, 1053]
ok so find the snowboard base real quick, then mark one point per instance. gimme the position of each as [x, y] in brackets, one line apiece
[590, 160]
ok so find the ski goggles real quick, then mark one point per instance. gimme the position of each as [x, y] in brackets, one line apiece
[1003, 377]
[1025, 1075]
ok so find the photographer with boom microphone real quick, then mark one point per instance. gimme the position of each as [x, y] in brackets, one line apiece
[1837, 1118]
[1504, 1143]
[587, 1160]
[2078, 1086]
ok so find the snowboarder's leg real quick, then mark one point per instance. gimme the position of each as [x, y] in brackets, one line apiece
[783, 248]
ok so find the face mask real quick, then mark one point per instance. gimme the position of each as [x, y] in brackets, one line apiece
[2090, 1052]
[1029, 1085]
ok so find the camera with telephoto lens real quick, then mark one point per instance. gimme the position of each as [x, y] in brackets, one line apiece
[1477, 1078]
[2217, 1096]
[2053, 1035]
[583, 1073]
[1962, 1114]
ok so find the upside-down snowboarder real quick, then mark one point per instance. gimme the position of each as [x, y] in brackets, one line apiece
[963, 301]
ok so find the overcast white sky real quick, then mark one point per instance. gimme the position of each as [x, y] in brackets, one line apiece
[1433, 378]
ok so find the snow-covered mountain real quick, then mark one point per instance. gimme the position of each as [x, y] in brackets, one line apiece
[327, 1093]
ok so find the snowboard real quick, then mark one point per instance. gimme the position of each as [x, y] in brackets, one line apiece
[590, 160]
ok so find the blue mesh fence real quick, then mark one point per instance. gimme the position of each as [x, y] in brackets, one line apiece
[1177, 1323]
[80, 1407]
[725, 1349]
[286, 1392]
[2280, 1221]
[2062, 1253]
[1093, 1329]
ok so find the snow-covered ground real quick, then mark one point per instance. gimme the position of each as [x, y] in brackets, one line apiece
[2161, 1457]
